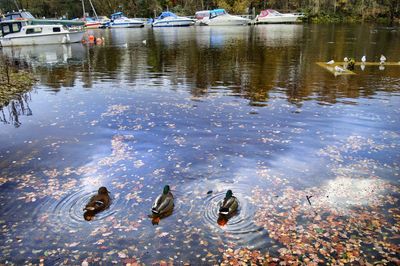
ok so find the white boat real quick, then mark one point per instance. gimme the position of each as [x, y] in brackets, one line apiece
[219, 17]
[169, 19]
[273, 16]
[118, 20]
[21, 32]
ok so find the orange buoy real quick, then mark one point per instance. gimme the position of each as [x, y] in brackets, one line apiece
[91, 38]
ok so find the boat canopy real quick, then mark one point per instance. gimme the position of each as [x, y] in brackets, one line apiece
[217, 12]
[17, 15]
[267, 12]
[202, 14]
[89, 19]
[117, 15]
[167, 14]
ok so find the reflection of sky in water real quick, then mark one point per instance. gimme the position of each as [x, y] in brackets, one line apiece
[344, 193]
[179, 110]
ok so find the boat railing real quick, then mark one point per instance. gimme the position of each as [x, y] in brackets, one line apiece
[141, 19]
[246, 16]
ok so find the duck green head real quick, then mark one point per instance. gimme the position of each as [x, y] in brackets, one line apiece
[228, 194]
[166, 189]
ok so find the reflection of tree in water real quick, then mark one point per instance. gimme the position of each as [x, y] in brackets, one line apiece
[251, 64]
[11, 111]
[94, 63]
[15, 84]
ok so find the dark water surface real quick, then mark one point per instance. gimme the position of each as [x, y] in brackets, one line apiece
[200, 109]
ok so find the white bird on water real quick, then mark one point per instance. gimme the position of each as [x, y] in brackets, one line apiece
[144, 42]
[364, 59]
[346, 59]
[330, 62]
[383, 59]
[339, 69]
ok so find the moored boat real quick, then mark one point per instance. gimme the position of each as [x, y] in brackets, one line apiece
[27, 16]
[91, 23]
[118, 20]
[219, 17]
[199, 15]
[273, 16]
[22, 32]
[169, 19]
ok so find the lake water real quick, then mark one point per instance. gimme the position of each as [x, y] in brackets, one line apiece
[313, 157]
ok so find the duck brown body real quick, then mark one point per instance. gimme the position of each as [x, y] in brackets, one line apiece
[229, 206]
[97, 203]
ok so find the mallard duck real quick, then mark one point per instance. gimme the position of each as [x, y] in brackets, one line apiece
[350, 64]
[97, 203]
[229, 205]
[228, 208]
[163, 205]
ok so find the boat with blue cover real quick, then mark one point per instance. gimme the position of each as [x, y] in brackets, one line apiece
[118, 20]
[219, 17]
[169, 19]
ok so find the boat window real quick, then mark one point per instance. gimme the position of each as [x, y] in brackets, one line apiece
[5, 29]
[116, 16]
[13, 16]
[27, 15]
[33, 30]
[56, 29]
[16, 27]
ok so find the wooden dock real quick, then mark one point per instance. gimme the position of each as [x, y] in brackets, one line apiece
[331, 67]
